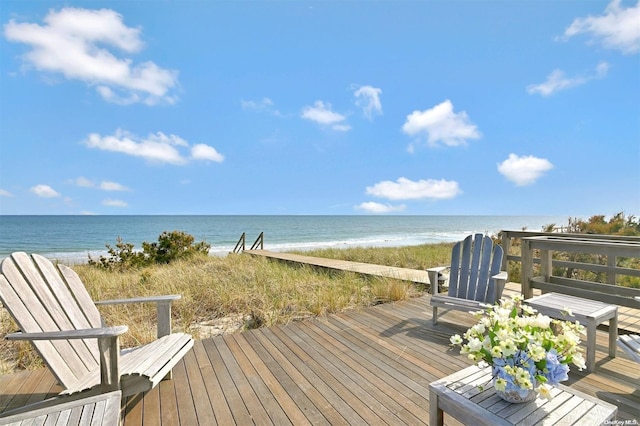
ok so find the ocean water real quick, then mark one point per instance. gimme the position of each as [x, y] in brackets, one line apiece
[71, 239]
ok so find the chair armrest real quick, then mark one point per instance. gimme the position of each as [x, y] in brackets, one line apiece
[163, 306]
[500, 281]
[147, 299]
[108, 346]
[433, 278]
[87, 333]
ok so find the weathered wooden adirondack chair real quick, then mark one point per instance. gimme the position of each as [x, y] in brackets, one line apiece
[630, 343]
[55, 312]
[474, 278]
[95, 410]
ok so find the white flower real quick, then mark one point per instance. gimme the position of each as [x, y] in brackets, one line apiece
[542, 321]
[475, 344]
[536, 352]
[496, 352]
[479, 328]
[503, 334]
[456, 339]
[578, 361]
[545, 391]
[508, 347]
[486, 343]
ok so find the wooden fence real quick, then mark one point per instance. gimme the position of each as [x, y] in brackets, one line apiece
[538, 248]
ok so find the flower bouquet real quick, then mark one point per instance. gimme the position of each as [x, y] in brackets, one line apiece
[528, 352]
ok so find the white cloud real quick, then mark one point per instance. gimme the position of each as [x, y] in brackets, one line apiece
[260, 105]
[80, 44]
[373, 207]
[84, 182]
[5, 193]
[112, 186]
[618, 28]
[157, 148]
[405, 189]
[206, 152]
[105, 185]
[263, 105]
[441, 124]
[44, 191]
[322, 114]
[524, 170]
[114, 203]
[368, 99]
[557, 81]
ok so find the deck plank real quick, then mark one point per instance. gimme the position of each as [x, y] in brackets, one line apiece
[263, 392]
[317, 408]
[321, 372]
[232, 396]
[340, 411]
[374, 393]
[268, 384]
[387, 389]
[215, 392]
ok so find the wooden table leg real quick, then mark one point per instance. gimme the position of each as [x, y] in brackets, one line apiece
[436, 416]
[613, 334]
[591, 345]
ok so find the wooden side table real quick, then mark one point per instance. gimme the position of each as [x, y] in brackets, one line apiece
[469, 396]
[590, 313]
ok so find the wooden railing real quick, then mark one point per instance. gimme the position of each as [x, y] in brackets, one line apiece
[545, 243]
[240, 245]
[259, 243]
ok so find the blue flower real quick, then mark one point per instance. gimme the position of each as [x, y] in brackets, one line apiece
[556, 372]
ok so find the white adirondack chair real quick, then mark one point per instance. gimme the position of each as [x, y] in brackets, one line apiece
[630, 343]
[474, 278]
[95, 410]
[55, 312]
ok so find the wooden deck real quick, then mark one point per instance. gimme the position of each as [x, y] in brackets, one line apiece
[371, 366]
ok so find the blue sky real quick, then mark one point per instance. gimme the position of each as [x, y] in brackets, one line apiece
[320, 107]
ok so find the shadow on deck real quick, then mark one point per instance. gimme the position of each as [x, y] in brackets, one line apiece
[370, 366]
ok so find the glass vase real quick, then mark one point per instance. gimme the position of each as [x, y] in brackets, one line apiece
[515, 396]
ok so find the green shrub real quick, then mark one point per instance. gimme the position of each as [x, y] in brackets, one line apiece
[171, 246]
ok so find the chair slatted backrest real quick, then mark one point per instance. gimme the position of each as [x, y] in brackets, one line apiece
[43, 297]
[473, 262]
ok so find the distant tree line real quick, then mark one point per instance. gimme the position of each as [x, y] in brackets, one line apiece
[618, 224]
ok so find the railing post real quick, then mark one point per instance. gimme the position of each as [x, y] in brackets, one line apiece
[259, 242]
[527, 268]
[611, 264]
[240, 243]
[506, 246]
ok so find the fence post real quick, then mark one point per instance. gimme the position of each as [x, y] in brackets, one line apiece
[527, 268]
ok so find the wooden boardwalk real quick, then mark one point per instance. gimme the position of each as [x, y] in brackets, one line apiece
[413, 275]
[370, 366]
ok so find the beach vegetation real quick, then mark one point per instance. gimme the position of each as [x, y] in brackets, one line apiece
[170, 246]
[418, 257]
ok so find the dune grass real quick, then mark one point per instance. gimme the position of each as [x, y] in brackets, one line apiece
[259, 291]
